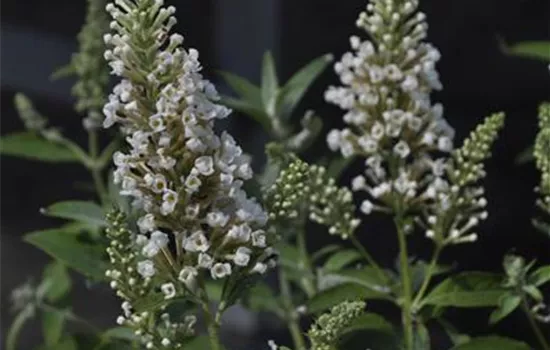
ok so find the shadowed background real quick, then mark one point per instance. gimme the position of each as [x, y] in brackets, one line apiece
[39, 36]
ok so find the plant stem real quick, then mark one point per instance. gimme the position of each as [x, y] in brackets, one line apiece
[304, 258]
[293, 326]
[70, 316]
[95, 171]
[366, 255]
[406, 308]
[534, 325]
[213, 326]
[429, 275]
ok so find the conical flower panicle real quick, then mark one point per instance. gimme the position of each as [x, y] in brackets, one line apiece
[391, 123]
[197, 222]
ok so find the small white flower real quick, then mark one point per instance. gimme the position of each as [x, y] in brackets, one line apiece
[334, 139]
[409, 84]
[366, 207]
[258, 239]
[188, 276]
[192, 183]
[402, 149]
[157, 183]
[358, 183]
[156, 123]
[220, 270]
[158, 241]
[242, 256]
[146, 268]
[217, 219]
[260, 268]
[205, 261]
[146, 223]
[205, 165]
[240, 233]
[169, 201]
[169, 290]
[445, 144]
[197, 242]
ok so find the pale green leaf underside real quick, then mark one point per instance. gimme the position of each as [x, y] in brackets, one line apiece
[31, 146]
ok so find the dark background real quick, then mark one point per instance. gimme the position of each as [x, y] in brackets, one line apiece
[38, 36]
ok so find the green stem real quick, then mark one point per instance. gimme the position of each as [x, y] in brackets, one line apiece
[366, 255]
[406, 308]
[429, 275]
[213, 327]
[69, 316]
[309, 287]
[534, 325]
[94, 169]
[290, 311]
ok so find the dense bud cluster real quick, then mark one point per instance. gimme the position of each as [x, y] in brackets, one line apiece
[152, 326]
[458, 201]
[89, 67]
[542, 155]
[303, 188]
[326, 331]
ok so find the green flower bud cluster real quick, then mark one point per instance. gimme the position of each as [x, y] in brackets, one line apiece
[475, 149]
[152, 325]
[302, 188]
[542, 149]
[326, 331]
[33, 120]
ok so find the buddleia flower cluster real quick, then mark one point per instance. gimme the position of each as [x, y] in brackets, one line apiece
[301, 187]
[542, 157]
[185, 179]
[153, 326]
[88, 65]
[404, 139]
[328, 328]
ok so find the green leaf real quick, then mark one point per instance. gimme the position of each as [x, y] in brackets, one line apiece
[366, 277]
[288, 255]
[200, 342]
[507, 304]
[270, 85]
[58, 280]
[370, 321]
[456, 337]
[250, 110]
[539, 50]
[293, 91]
[492, 342]
[31, 146]
[68, 343]
[84, 258]
[248, 91]
[421, 338]
[52, 326]
[87, 212]
[340, 293]
[540, 276]
[533, 292]
[341, 259]
[15, 329]
[321, 253]
[468, 289]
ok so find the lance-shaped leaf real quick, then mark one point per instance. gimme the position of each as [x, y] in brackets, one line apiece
[492, 342]
[84, 258]
[31, 146]
[468, 289]
[506, 305]
[244, 88]
[270, 84]
[295, 88]
[82, 211]
[539, 50]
